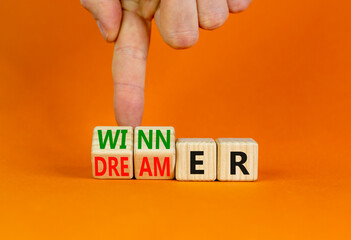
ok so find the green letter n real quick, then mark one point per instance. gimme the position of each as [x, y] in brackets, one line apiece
[159, 136]
[141, 135]
[108, 137]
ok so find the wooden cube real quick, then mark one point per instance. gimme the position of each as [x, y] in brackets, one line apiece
[196, 159]
[112, 152]
[154, 152]
[237, 159]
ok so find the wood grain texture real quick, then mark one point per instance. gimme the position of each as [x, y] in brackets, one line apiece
[205, 151]
[154, 158]
[111, 155]
[229, 146]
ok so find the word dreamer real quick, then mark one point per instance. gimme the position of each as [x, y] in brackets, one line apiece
[153, 153]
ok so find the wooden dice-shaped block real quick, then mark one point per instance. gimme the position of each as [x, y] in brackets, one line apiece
[196, 159]
[154, 152]
[112, 152]
[237, 159]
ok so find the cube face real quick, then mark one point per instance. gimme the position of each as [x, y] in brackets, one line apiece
[237, 159]
[154, 152]
[196, 159]
[112, 153]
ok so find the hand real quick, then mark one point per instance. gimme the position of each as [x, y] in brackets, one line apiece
[128, 23]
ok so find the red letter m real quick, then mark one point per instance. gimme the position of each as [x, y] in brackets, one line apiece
[157, 165]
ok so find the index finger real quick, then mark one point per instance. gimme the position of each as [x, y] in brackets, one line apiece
[128, 69]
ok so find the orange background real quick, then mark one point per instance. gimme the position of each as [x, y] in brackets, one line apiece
[279, 73]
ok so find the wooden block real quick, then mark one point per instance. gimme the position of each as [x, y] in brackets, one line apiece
[196, 159]
[154, 152]
[237, 159]
[112, 152]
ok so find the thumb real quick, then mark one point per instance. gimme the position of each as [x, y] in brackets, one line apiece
[108, 14]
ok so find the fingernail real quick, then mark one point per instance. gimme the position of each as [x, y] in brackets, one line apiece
[102, 29]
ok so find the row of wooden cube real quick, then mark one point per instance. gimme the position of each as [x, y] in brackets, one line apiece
[154, 154]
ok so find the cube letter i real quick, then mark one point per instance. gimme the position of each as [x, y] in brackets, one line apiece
[196, 159]
[237, 159]
[112, 152]
[154, 152]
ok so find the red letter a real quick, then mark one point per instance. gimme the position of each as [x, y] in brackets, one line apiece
[143, 169]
